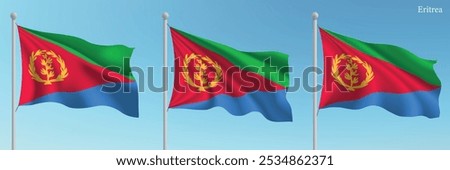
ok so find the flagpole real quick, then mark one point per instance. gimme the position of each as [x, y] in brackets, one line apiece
[13, 80]
[315, 16]
[165, 77]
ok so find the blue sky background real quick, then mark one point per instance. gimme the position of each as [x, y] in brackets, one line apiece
[252, 25]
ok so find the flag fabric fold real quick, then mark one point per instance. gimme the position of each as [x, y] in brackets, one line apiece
[76, 73]
[209, 74]
[358, 74]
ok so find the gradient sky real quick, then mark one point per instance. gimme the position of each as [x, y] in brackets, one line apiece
[251, 25]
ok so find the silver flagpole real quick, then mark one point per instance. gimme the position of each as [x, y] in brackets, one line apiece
[13, 82]
[315, 16]
[165, 77]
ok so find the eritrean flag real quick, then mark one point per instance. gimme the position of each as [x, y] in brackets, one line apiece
[209, 74]
[359, 74]
[76, 73]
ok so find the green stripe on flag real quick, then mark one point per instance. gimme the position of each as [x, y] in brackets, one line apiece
[397, 56]
[271, 65]
[115, 57]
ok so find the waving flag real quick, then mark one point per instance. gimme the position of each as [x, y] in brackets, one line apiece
[76, 73]
[209, 74]
[359, 74]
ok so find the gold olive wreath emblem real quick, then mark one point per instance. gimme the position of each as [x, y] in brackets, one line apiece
[201, 76]
[352, 75]
[47, 70]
